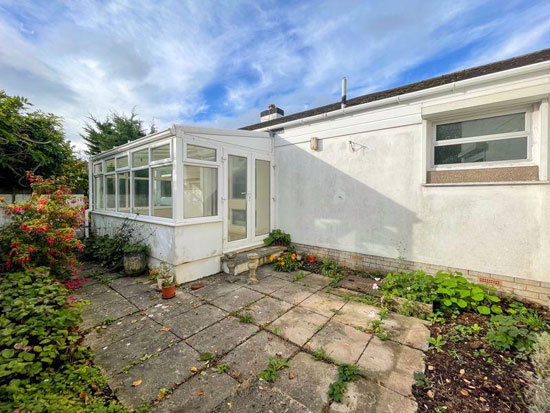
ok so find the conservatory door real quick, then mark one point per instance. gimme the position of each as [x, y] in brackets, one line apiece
[247, 199]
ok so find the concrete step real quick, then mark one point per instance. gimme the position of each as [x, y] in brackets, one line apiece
[237, 263]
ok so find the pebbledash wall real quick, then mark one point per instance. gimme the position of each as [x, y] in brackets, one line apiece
[370, 195]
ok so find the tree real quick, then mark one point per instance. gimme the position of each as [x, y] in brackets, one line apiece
[115, 130]
[29, 141]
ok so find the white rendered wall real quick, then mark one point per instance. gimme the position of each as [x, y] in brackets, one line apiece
[373, 201]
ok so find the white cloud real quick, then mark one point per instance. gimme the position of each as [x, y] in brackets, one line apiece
[86, 57]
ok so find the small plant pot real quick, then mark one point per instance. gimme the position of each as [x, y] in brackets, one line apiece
[160, 281]
[135, 263]
[168, 292]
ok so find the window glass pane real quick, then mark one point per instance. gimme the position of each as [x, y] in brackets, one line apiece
[238, 185]
[200, 192]
[499, 150]
[98, 192]
[123, 192]
[201, 153]
[481, 127]
[98, 168]
[141, 192]
[262, 197]
[110, 165]
[110, 191]
[122, 162]
[160, 152]
[140, 158]
[162, 192]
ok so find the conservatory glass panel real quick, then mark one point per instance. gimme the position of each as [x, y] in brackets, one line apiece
[263, 191]
[200, 192]
[110, 191]
[122, 162]
[98, 192]
[123, 192]
[140, 158]
[160, 152]
[110, 165]
[201, 153]
[141, 192]
[162, 191]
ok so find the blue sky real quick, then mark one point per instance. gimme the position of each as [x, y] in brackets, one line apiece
[220, 63]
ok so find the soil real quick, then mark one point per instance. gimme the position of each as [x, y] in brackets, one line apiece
[470, 375]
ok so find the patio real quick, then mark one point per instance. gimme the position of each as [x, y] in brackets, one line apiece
[150, 348]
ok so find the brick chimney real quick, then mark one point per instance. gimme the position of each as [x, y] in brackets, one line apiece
[272, 113]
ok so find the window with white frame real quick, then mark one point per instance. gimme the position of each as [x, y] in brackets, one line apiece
[200, 182]
[495, 138]
[162, 191]
[98, 189]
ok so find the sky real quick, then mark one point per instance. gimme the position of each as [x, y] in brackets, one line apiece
[220, 63]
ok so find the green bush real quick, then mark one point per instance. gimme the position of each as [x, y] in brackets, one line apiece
[42, 365]
[509, 333]
[277, 237]
[447, 291]
[286, 262]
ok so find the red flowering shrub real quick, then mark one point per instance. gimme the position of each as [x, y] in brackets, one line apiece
[42, 229]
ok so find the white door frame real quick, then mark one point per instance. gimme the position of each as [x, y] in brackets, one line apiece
[251, 238]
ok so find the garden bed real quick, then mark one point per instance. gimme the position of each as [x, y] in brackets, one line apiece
[468, 374]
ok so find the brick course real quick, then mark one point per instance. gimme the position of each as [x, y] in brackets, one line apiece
[535, 291]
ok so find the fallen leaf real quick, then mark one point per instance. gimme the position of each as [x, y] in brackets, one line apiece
[464, 392]
[430, 368]
[499, 387]
[194, 369]
[462, 371]
[346, 344]
[133, 321]
[291, 375]
[447, 380]
[200, 392]
[430, 394]
[137, 383]
[164, 329]
[481, 399]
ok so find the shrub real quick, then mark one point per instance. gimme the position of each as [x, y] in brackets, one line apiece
[538, 391]
[109, 249]
[509, 333]
[41, 231]
[42, 365]
[286, 262]
[277, 237]
[447, 291]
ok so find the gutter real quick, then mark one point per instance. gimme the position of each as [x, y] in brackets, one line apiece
[449, 87]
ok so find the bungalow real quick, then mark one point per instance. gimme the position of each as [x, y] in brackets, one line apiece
[447, 173]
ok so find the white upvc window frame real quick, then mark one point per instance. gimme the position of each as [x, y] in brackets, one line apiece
[207, 164]
[528, 110]
[164, 160]
[122, 155]
[94, 187]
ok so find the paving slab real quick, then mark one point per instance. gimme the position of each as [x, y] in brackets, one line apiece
[298, 325]
[101, 336]
[237, 299]
[101, 310]
[365, 396]
[113, 357]
[310, 383]
[180, 304]
[293, 293]
[343, 344]
[215, 290]
[408, 330]
[199, 394]
[288, 276]
[252, 356]
[222, 336]
[315, 280]
[186, 324]
[391, 364]
[132, 286]
[169, 368]
[265, 271]
[269, 285]
[323, 303]
[268, 309]
[260, 397]
[92, 290]
[357, 314]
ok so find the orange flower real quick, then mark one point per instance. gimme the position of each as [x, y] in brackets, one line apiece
[271, 258]
[283, 263]
[279, 258]
[293, 256]
[311, 258]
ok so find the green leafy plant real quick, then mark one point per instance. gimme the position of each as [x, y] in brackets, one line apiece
[286, 262]
[206, 356]
[330, 269]
[277, 237]
[136, 248]
[510, 333]
[377, 328]
[274, 365]
[222, 368]
[346, 373]
[299, 276]
[244, 317]
[421, 380]
[437, 343]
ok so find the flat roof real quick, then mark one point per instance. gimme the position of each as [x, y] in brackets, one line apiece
[502, 65]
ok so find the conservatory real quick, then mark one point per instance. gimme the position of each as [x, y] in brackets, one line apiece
[192, 194]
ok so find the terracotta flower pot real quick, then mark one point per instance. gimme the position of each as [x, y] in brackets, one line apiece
[168, 292]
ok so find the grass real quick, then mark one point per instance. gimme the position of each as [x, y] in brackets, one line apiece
[206, 356]
[321, 354]
[222, 368]
[299, 276]
[246, 318]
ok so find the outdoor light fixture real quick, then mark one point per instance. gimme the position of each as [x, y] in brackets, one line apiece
[314, 144]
